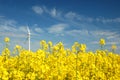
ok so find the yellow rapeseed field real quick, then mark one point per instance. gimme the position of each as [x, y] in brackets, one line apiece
[54, 62]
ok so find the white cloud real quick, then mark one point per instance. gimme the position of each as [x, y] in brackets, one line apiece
[77, 32]
[103, 32]
[37, 9]
[4, 22]
[113, 42]
[70, 15]
[36, 29]
[9, 28]
[107, 42]
[53, 12]
[2, 16]
[77, 18]
[108, 20]
[107, 34]
[4, 28]
[116, 19]
[12, 32]
[23, 29]
[104, 20]
[74, 16]
[113, 36]
[94, 42]
[58, 28]
[39, 30]
[89, 19]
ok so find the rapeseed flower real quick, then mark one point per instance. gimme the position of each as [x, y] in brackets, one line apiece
[113, 47]
[7, 39]
[60, 63]
[102, 41]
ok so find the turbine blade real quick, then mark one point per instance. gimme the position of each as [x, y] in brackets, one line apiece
[25, 41]
[28, 29]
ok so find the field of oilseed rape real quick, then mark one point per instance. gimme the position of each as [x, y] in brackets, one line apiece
[54, 62]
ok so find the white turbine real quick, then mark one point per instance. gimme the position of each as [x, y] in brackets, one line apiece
[28, 38]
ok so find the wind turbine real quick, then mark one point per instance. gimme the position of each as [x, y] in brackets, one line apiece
[28, 30]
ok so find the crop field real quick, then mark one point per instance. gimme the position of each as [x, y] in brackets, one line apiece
[54, 62]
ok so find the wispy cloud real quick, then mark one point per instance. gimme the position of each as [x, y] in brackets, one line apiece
[107, 43]
[10, 28]
[76, 17]
[108, 20]
[38, 30]
[6, 22]
[12, 31]
[110, 36]
[73, 16]
[81, 24]
[53, 12]
[95, 33]
[77, 32]
[58, 28]
[17, 34]
[103, 32]
[70, 23]
[37, 9]
[114, 42]
[23, 29]
[114, 36]
[94, 42]
[2, 16]
[116, 19]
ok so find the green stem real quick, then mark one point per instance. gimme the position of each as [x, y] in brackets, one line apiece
[76, 64]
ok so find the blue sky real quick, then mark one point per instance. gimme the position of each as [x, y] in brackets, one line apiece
[85, 21]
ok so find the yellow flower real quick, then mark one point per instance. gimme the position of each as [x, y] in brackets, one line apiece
[60, 64]
[83, 47]
[50, 43]
[55, 48]
[114, 47]
[43, 42]
[6, 39]
[102, 41]
[17, 47]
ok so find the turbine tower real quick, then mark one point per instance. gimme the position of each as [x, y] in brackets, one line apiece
[28, 38]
